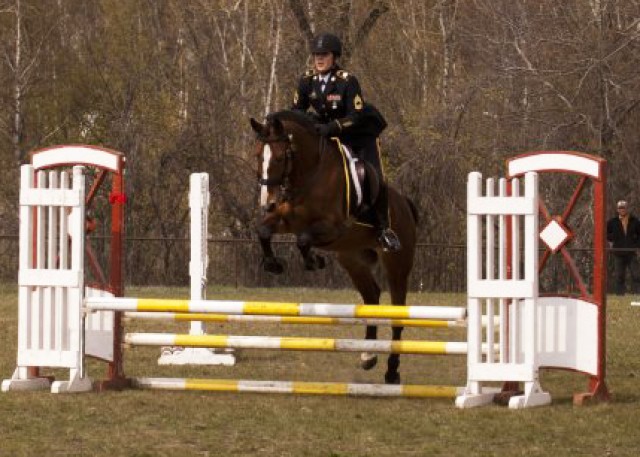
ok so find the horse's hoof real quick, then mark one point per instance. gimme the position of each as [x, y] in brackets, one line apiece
[368, 361]
[273, 266]
[392, 378]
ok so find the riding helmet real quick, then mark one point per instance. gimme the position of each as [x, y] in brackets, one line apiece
[326, 42]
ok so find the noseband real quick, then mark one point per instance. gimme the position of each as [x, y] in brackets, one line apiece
[283, 180]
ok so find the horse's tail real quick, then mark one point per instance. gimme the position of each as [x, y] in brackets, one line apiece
[414, 210]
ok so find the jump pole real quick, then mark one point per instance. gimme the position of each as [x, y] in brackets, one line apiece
[276, 308]
[297, 320]
[300, 343]
[199, 229]
[303, 388]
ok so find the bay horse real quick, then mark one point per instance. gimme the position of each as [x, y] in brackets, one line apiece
[304, 191]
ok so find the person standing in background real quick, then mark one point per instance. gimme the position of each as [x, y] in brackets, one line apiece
[623, 234]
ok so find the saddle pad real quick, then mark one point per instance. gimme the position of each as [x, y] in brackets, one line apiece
[355, 207]
[351, 165]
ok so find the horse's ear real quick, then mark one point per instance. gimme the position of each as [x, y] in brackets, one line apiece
[277, 126]
[257, 126]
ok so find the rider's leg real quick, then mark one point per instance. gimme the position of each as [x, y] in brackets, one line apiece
[386, 236]
[370, 152]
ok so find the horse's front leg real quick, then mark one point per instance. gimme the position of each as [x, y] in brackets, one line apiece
[270, 262]
[312, 261]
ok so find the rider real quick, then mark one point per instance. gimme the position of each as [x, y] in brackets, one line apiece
[337, 100]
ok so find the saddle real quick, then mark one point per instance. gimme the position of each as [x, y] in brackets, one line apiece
[363, 186]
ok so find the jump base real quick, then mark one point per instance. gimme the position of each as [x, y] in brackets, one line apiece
[196, 356]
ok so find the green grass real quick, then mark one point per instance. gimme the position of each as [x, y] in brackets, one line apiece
[152, 423]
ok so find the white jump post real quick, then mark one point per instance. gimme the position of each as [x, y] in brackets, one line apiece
[199, 207]
[51, 281]
[516, 295]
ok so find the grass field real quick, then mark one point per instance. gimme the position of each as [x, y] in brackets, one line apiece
[152, 423]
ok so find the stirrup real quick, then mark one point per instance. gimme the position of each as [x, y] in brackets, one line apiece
[389, 240]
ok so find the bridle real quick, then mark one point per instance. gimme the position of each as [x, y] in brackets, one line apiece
[283, 180]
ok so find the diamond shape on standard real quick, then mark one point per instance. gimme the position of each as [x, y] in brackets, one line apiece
[555, 235]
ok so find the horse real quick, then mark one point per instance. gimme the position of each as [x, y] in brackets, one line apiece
[304, 191]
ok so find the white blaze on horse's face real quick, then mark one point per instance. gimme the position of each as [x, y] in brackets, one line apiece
[264, 189]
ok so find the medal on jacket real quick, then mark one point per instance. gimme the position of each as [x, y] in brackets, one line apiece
[334, 99]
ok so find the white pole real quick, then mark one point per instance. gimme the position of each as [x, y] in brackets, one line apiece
[199, 208]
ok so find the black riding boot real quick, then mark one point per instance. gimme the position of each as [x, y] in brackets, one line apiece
[386, 236]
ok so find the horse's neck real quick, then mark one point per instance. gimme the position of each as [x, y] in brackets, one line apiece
[322, 159]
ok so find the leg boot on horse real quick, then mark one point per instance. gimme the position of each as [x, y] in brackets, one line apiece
[312, 261]
[270, 263]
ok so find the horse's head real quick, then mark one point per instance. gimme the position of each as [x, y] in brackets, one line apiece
[274, 154]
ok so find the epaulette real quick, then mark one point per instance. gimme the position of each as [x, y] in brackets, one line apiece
[342, 74]
[309, 73]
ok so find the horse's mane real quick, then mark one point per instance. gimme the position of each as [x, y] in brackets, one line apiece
[298, 117]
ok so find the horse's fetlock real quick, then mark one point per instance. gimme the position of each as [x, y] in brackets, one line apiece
[392, 378]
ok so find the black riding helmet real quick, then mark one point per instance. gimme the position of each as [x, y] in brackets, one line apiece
[326, 42]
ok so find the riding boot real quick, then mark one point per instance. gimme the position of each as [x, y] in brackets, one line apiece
[386, 236]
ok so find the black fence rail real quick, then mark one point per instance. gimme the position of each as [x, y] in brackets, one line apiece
[236, 263]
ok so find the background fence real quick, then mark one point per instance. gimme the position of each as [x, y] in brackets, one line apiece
[236, 263]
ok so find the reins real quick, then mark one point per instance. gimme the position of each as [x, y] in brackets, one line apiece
[283, 180]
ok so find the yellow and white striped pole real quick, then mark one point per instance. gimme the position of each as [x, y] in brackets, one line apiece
[297, 343]
[276, 308]
[304, 320]
[308, 388]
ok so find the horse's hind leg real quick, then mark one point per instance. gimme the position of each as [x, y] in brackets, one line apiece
[392, 376]
[398, 275]
[359, 269]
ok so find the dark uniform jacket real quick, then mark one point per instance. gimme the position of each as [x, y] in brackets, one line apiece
[620, 240]
[341, 101]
